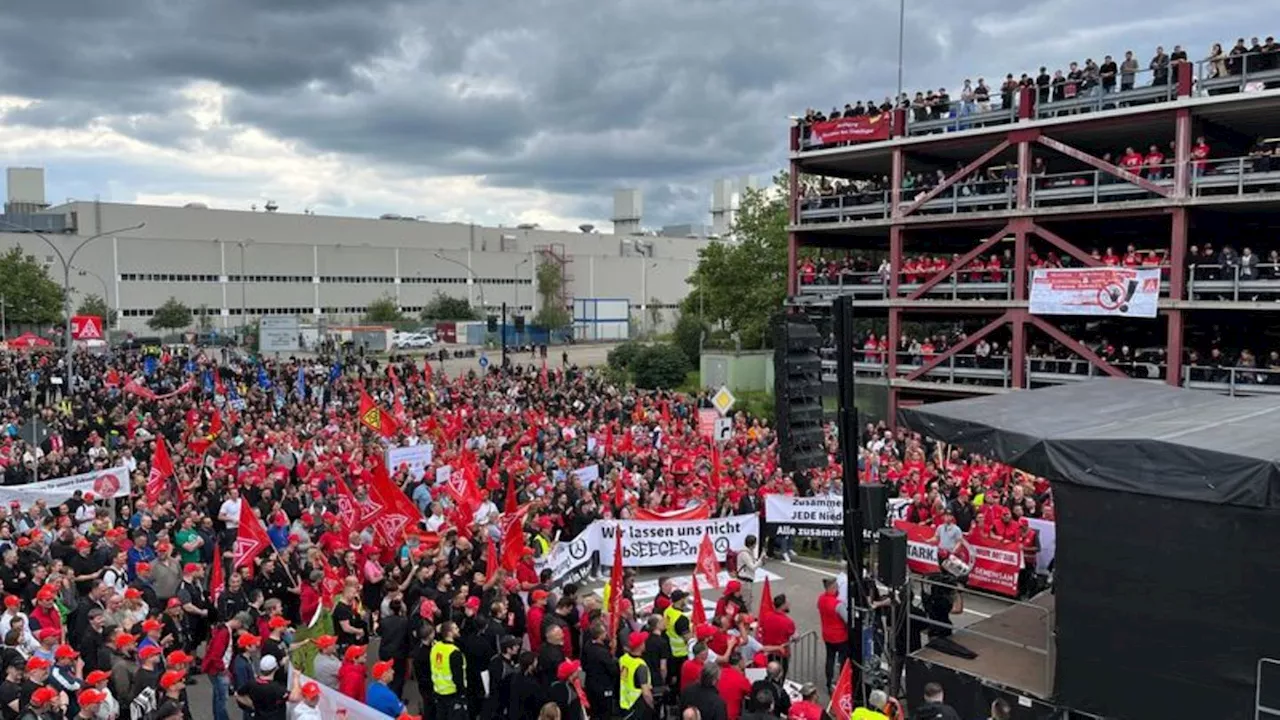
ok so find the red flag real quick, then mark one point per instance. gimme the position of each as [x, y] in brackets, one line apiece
[348, 507]
[426, 371]
[218, 388]
[131, 426]
[375, 418]
[396, 512]
[608, 440]
[706, 564]
[666, 414]
[715, 467]
[217, 583]
[330, 586]
[513, 544]
[841, 705]
[542, 374]
[510, 503]
[397, 410]
[112, 378]
[161, 471]
[490, 562]
[251, 538]
[215, 424]
[766, 600]
[698, 615]
[700, 511]
[620, 491]
[615, 584]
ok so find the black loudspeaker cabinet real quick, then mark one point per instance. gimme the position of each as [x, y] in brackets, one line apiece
[875, 506]
[798, 411]
[893, 557]
[491, 323]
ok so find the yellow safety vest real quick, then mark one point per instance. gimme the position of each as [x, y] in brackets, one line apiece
[441, 672]
[544, 547]
[679, 646]
[862, 713]
[628, 691]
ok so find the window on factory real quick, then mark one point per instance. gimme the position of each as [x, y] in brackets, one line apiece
[270, 278]
[167, 277]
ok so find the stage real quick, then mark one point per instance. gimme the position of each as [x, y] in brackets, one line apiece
[1014, 648]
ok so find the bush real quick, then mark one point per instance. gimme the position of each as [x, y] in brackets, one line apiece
[620, 357]
[688, 336]
[659, 367]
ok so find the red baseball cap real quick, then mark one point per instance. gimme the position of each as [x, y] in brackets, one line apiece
[353, 653]
[325, 642]
[130, 594]
[43, 696]
[247, 641]
[178, 657]
[190, 568]
[152, 626]
[171, 678]
[637, 639]
[277, 622]
[144, 567]
[65, 652]
[97, 676]
[37, 663]
[149, 651]
[91, 696]
[310, 691]
[382, 668]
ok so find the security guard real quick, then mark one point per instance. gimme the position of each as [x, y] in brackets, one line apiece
[678, 631]
[877, 701]
[542, 541]
[449, 675]
[635, 687]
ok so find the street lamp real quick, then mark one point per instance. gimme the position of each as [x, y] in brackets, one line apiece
[472, 273]
[66, 261]
[517, 274]
[106, 297]
[244, 317]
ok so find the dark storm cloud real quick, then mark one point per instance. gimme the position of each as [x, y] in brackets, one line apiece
[569, 96]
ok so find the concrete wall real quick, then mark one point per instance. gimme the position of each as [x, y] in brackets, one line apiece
[746, 371]
[333, 267]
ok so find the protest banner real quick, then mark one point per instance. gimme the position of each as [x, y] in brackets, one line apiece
[417, 457]
[1118, 291]
[818, 516]
[646, 544]
[995, 564]
[104, 484]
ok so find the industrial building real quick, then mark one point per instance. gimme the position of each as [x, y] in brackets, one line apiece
[937, 227]
[237, 265]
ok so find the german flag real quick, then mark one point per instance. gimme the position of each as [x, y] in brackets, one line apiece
[375, 418]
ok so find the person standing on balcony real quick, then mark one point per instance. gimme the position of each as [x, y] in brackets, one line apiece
[1159, 67]
[1107, 74]
[1154, 163]
[1128, 71]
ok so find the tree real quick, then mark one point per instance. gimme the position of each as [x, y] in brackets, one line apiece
[659, 367]
[655, 314]
[620, 358]
[31, 297]
[688, 336]
[383, 311]
[550, 281]
[204, 318]
[741, 285]
[172, 315]
[447, 307]
[94, 305]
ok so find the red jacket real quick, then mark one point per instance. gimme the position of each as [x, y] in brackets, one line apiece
[534, 623]
[212, 664]
[776, 628]
[834, 629]
[351, 680]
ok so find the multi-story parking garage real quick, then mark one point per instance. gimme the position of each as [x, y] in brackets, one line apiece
[935, 231]
[238, 265]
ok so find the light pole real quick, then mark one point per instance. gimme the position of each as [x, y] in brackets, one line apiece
[902, 31]
[66, 261]
[472, 273]
[244, 315]
[517, 274]
[106, 297]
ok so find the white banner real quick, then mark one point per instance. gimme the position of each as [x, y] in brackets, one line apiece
[108, 483]
[1117, 291]
[417, 457]
[648, 543]
[570, 560]
[588, 474]
[332, 701]
[815, 516]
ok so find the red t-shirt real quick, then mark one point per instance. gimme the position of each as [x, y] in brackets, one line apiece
[1155, 158]
[834, 629]
[1131, 161]
[1199, 152]
[534, 623]
[734, 687]
[776, 628]
[804, 710]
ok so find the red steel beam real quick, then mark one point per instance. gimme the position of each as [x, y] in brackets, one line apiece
[1094, 162]
[959, 263]
[1066, 247]
[1182, 153]
[955, 177]
[1072, 344]
[1018, 371]
[951, 351]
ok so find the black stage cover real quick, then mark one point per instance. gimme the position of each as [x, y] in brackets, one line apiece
[1168, 523]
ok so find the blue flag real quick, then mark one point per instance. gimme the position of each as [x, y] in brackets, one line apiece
[190, 366]
[149, 365]
[279, 398]
[264, 382]
[300, 385]
[206, 381]
[335, 372]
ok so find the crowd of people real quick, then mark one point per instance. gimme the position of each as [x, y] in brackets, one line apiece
[1089, 78]
[116, 605]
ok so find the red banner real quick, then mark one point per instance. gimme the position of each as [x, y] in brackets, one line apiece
[995, 564]
[701, 511]
[863, 128]
[86, 327]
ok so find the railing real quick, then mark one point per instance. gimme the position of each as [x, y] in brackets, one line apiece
[995, 372]
[1094, 187]
[806, 659]
[957, 285]
[1234, 282]
[1235, 176]
[1141, 88]
[1045, 649]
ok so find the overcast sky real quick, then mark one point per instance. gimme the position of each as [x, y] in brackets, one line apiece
[498, 111]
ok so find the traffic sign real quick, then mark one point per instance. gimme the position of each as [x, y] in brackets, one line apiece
[723, 400]
[484, 362]
[724, 429]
